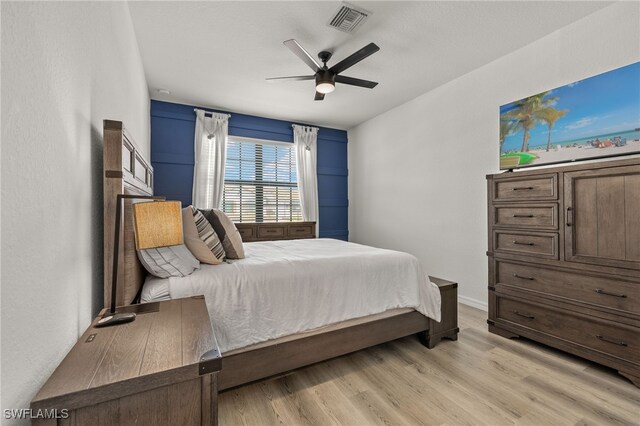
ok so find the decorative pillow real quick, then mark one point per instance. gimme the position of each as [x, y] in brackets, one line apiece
[172, 261]
[197, 238]
[227, 232]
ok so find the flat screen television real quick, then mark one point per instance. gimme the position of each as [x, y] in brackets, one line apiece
[592, 118]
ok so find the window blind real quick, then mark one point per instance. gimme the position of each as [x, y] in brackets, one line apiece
[260, 183]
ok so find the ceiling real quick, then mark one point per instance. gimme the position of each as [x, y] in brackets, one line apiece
[218, 54]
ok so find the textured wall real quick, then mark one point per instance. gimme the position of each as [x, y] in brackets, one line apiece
[172, 155]
[417, 172]
[65, 68]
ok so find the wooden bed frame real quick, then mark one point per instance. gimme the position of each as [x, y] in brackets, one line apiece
[127, 171]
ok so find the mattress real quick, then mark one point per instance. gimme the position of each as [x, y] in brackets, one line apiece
[287, 287]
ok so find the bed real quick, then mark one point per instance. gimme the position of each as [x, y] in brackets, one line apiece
[366, 295]
[291, 286]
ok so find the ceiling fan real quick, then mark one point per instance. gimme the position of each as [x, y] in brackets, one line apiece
[326, 78]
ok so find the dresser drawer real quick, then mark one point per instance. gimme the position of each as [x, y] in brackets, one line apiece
[301, 231]
[247, 233]
[538, 244]
[531, 216]
[600, 335]
[542, 187]
[271, 231]
[601, 291]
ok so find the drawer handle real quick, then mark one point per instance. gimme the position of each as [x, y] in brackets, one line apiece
[608, 340]
[521, 243]
[524, 315]
[569, 216]
[523, 215]
[300, 230]
[522, 188]
[523, 278]
[601, 291]
[271, 231]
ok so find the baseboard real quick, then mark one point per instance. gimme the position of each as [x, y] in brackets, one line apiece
[473, 303]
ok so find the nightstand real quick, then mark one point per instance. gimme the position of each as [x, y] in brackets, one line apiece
[159, 369]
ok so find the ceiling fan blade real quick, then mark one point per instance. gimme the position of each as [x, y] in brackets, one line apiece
[350, 61]
[292, 78]
[319, 96]
[356, 81]
[302, 54]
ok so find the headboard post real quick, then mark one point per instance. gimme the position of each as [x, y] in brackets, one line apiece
[126, 171]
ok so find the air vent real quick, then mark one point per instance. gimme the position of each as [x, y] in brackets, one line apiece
[348, 18]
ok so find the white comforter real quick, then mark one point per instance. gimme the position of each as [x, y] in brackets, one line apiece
[287, 287]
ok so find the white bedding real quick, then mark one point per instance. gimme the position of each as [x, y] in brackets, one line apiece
[286, 287]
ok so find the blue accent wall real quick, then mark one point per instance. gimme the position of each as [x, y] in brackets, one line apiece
[172, 157]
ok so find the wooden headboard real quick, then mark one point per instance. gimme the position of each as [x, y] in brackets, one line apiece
[126, 171]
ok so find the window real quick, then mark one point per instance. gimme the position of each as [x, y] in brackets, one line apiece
[260, 182]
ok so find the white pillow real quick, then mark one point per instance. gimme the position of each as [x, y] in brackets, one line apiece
[172, 261]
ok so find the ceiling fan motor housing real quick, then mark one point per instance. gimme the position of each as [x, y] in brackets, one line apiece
[325, 81]
[325, 76]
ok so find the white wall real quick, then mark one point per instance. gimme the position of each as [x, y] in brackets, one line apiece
[65, 67]
[417, 172]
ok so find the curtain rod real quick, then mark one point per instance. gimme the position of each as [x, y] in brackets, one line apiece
[210, 112]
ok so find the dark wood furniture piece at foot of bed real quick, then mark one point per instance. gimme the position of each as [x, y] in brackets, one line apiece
[127, 171]
[269, 231]
[564, 260]
[159, 369]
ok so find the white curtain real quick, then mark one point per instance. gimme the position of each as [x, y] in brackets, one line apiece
[210, 158]
[305, 140]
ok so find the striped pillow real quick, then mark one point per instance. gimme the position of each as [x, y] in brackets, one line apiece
[208, 235]
[192, 239]
[227, 232]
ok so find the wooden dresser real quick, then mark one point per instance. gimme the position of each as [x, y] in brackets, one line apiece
[564, 260]
[159, 369]
[269, 231]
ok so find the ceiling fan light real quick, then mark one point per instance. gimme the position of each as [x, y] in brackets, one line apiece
[325, 81]
[325, 87]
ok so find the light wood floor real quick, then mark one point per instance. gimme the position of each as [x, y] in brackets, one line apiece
[482, 379]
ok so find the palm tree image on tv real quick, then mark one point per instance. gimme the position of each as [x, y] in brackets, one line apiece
[595, 117]
[530, 111]
[550, 116]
